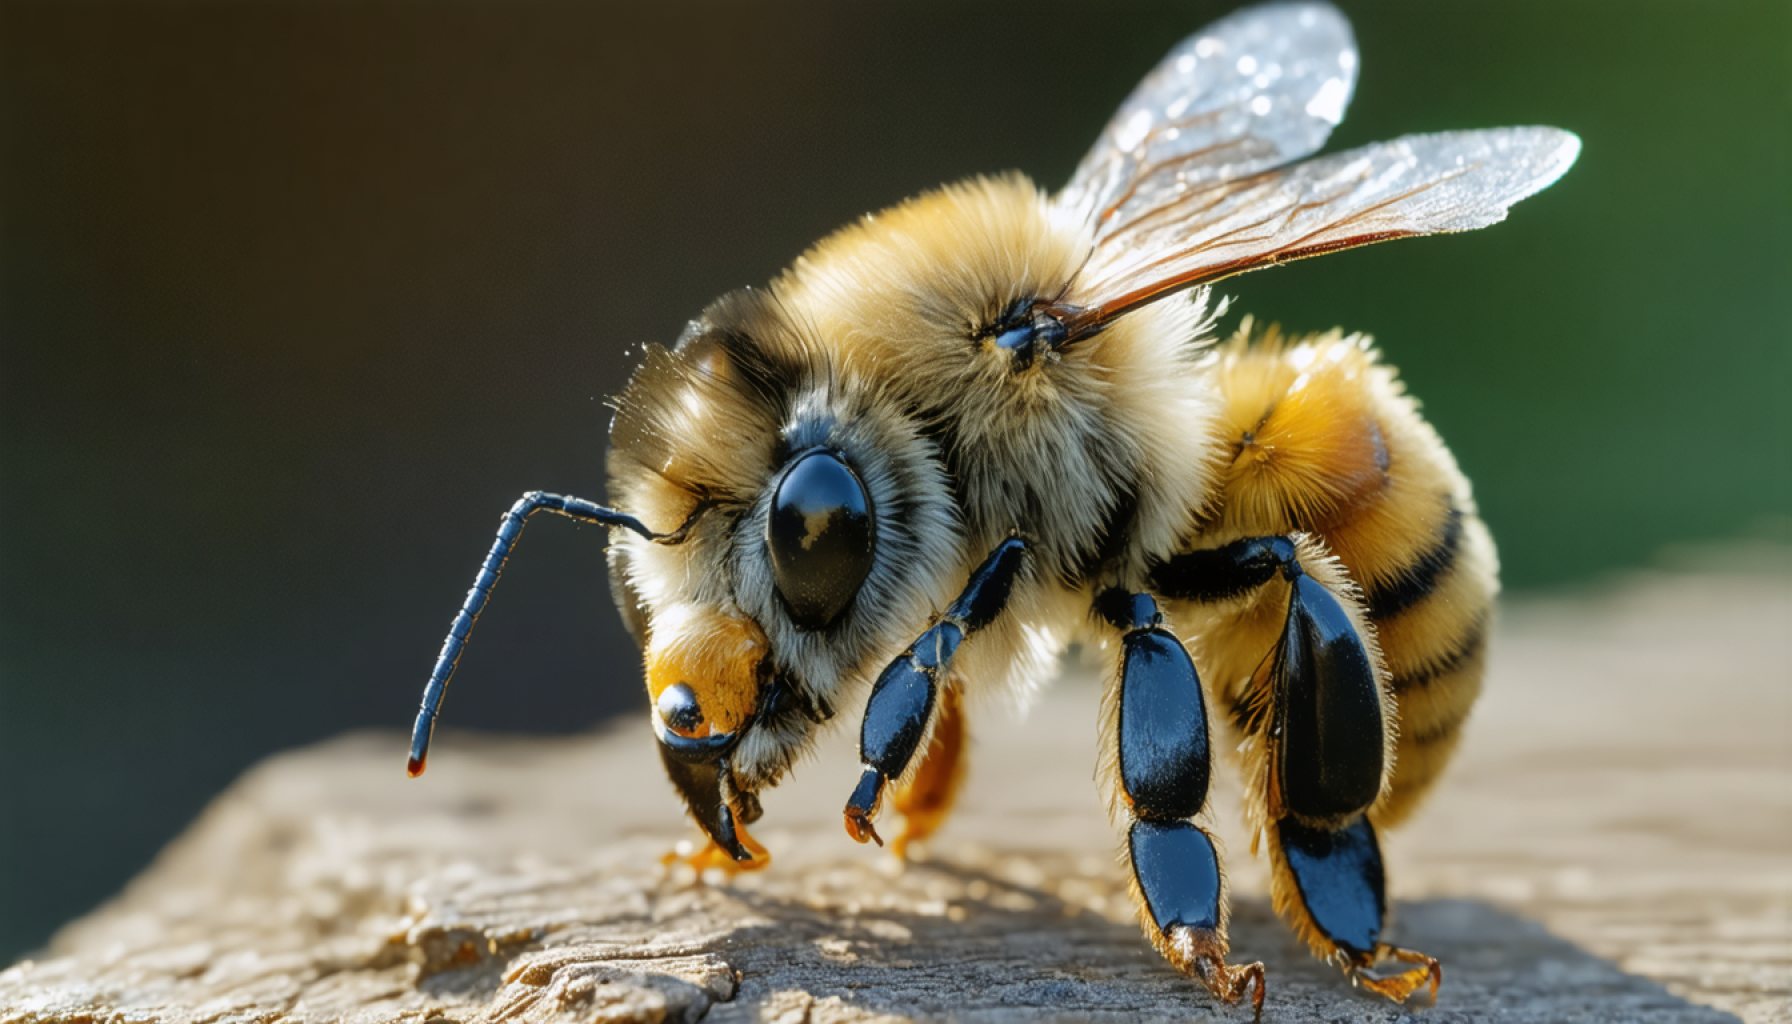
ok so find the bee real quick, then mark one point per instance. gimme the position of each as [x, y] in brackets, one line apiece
[960, 434]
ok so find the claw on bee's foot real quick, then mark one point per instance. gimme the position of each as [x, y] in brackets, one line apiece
[1201, 955]
[862, 806]
[859, 827]
[1227, 982]
[710, 857]
[1400, 987]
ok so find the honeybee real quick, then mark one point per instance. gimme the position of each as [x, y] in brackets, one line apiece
[963, 432]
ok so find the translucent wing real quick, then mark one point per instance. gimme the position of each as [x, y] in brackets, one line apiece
[1173, 235]
[1254, 90]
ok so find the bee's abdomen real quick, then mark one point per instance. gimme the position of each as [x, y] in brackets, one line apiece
[1432, 617]
[1324, 440]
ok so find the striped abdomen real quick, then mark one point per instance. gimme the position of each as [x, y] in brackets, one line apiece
[1321, 438]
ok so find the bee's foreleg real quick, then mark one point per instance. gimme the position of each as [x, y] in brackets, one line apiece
[1163, 767]
[903, 700]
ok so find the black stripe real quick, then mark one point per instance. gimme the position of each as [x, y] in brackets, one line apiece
[1439, 731]
[1418, 579]
[1466, 649]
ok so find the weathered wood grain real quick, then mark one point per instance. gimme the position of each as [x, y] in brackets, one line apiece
[1615, 844]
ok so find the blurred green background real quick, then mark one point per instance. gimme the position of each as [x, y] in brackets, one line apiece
[297, 297]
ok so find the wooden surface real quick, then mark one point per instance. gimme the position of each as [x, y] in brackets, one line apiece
[1615, 843]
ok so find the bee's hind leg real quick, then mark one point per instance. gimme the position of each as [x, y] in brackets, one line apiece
[1330, 886]
[900, 713]
[1162, 765]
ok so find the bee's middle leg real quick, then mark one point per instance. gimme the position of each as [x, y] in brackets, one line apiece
[901, 711]
[1163, 764]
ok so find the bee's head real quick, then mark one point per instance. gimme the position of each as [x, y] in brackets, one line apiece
[820, 532]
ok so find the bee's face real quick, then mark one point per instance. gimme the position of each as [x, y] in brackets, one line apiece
[712, 677]
[814, 509]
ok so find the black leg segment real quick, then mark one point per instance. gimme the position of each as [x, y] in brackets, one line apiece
[1178, 873]
[1222, 573]
[1328, 710]
[1341, 883]
[510, 529]
[905, 694]
[1165, 764]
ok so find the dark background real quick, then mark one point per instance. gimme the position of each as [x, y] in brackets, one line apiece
[297, 297]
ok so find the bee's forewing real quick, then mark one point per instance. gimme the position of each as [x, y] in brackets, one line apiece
[1254, 90]
[1414, 185]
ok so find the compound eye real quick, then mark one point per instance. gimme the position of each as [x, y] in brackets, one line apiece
[820, 536]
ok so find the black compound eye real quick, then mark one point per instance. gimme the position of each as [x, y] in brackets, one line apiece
[820, 535]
